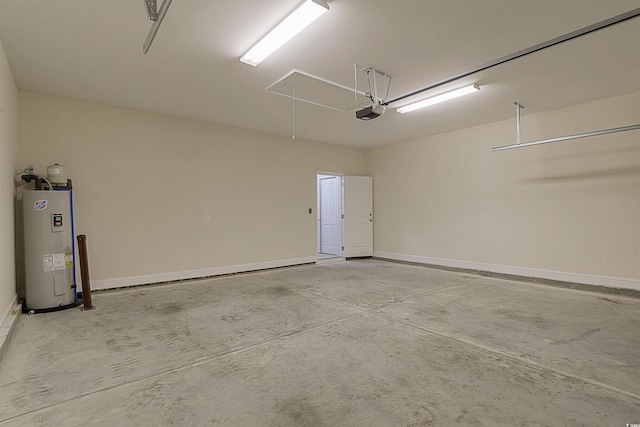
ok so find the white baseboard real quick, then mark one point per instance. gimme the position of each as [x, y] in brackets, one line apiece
[586, 279]
[194, 274]
[7, 323]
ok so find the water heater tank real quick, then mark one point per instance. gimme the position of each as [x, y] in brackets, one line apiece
[55, 174]
[48, 250]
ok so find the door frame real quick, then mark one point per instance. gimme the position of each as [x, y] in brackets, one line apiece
[319, 175]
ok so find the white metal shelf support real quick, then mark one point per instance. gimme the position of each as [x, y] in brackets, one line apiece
[520, 144]
[518, 109]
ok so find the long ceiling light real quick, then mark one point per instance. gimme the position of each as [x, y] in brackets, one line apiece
[438, 98]
[303, 15]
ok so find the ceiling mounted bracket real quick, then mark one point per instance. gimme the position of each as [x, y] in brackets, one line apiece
[378, 106]
[371, 76]
[157, 16]
[152, 9]
[520, 144]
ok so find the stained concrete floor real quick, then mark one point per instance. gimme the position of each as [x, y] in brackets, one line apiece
[357, 343]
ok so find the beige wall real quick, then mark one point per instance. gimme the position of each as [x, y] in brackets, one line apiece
[145, 183]
[8, 147]
[568, 211]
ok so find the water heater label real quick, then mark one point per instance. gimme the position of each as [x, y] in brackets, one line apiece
[52, 262]
[47, 260]
[68, 260]
[40, 205]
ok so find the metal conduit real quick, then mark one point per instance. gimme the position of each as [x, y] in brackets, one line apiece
[561, 39]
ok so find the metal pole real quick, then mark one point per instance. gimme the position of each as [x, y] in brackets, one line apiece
[568, 137]
[84, 272]
[518, 108]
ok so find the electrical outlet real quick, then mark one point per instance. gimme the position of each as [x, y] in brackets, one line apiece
[207, 218]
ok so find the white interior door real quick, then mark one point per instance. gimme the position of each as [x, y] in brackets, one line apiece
[330, 211]
[358, 216]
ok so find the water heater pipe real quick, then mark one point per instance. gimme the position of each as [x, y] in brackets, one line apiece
[84, 272]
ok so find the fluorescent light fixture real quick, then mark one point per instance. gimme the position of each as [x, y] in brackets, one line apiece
[438, 98]
[303, 15]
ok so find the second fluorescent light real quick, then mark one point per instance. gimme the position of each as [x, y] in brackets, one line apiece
[438, 98]
[303, 15]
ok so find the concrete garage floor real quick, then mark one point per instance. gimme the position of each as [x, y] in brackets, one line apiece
[357, 343]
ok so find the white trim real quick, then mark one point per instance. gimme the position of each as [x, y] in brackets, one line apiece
[9, 318]
[587, 279]
[7, 313]
[121, 282]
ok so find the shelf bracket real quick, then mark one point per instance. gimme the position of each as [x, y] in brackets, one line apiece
[520, 144]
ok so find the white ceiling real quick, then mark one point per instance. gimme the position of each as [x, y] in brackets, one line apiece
[92, 50]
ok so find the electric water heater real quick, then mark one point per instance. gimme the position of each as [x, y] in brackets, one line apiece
[48, 247]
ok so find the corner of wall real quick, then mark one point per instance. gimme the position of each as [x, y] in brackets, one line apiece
[8, 325]
[8, 155]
